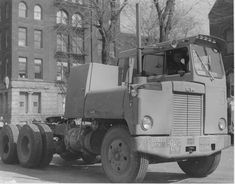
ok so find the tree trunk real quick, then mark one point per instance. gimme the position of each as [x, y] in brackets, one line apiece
[105, 51]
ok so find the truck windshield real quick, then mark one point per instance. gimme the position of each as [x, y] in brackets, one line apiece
[207, 61]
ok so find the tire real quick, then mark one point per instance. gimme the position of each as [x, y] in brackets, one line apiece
[119, 161]
[200, 166]
[69, 156]
[89, 158]
[8, 140]
[47, 145]
[29, 146]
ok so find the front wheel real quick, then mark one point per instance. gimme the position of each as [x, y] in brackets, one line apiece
[119, 160]
[200, 166]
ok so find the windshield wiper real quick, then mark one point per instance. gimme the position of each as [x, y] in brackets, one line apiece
[211, 76]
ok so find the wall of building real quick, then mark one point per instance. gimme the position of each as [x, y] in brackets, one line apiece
[27, 99]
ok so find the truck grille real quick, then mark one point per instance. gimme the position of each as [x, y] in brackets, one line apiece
[187, 115]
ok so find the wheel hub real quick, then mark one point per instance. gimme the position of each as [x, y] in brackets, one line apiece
[119, 156]
[25, 145]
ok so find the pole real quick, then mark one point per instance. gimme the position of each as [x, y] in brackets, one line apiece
[91, 30]
[139, 58]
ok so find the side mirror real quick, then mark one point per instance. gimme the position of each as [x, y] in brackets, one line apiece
[181, 72]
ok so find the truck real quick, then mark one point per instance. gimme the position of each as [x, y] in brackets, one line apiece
[160, 103]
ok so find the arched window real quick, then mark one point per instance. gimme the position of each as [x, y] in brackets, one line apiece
[62, 17]
[76, 20]
[37, 12]
[22, 10]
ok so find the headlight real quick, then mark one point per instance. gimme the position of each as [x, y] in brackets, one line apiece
[147, 123]
[222, 124]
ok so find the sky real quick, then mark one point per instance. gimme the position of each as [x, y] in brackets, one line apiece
[198, 9]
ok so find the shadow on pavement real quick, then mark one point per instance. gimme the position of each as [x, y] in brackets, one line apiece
[164, 177]
[60, 171]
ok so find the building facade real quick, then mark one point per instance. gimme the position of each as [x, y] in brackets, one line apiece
[221, 25]
[39, 41]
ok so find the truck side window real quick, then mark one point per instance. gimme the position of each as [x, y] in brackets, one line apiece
[153, 64]
[177, 60]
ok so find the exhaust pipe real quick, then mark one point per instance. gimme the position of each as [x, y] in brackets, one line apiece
[138, 36]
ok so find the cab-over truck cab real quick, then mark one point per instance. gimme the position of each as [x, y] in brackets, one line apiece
[172, 109]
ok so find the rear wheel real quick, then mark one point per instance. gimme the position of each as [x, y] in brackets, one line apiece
[119, 160]
[200, 166]
[29, 146]
[8, 140]
[47, 145]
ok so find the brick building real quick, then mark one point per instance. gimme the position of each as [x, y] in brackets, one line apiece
[38, 38]
[221, 25]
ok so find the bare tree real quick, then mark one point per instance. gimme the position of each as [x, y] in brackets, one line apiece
[183, 24]
[165, 14]
[105, 18]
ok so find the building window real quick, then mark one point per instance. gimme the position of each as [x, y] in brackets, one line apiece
[7, 39]
[76, 20]
[229, 39]
[7, 10]
[36, 100]
[38, 68]
[22, 67]
[0, 41]
[23, 102]
[62, 17]
[6, 67]
[62, 70]
[1, 104]
[77, 45]
[37, 39]
[1, 70]
[22, 10]
[37, 12]
[62, 42]
[6, 103]
[0, 13]
[22, 34]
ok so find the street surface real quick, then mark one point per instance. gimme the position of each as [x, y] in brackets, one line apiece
[76, 172]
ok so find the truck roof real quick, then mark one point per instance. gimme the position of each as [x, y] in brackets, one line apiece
[200, 39]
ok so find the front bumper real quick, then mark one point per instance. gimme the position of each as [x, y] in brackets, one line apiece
[181, 147]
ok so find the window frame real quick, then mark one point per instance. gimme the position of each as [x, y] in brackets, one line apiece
[77, 48]
[62, 17]
[22, 11]
[26, 102]
[62, 42]
[77, 20]
[38, 44]
[7, 10]
[25, 36]
[37, 12]
[26, 68]
[39, 103]
[40, 74]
